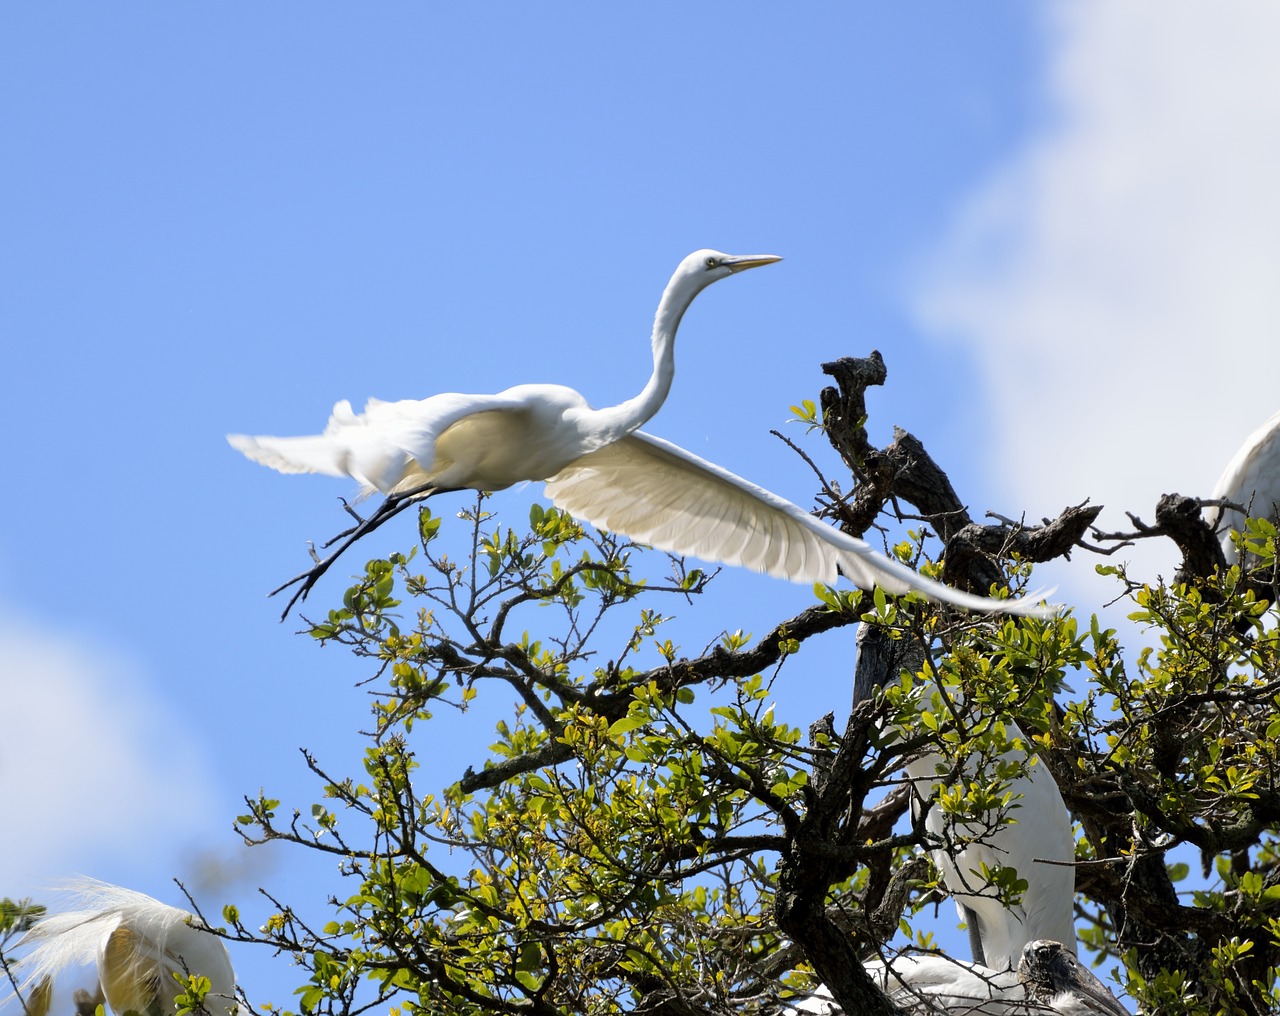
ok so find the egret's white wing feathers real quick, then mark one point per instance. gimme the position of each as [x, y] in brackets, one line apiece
[934, 984]
[137, 943]
[1048, 981]
[655, 492]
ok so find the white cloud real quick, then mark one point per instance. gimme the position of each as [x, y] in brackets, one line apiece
[1119, 275]
[91, 770]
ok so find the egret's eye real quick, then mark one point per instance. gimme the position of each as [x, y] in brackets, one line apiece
[712, 262]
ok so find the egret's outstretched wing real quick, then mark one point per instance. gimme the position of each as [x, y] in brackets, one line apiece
[379, 448]
[657, 493]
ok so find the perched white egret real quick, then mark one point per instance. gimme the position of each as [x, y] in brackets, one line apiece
[1039, 836]
[598, 467]
[137, 944]
[1039, 843]
[1252, 479]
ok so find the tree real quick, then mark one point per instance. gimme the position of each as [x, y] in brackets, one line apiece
[652, 839]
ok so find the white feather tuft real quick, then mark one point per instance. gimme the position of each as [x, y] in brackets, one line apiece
[136, 942]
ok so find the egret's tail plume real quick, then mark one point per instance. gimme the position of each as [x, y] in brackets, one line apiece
[312, 454]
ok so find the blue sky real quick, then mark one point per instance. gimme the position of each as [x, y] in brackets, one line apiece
[1056, 221]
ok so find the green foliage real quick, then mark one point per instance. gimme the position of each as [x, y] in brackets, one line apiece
[191, 998]
[607, 840]
[621, 843]
[16, 916]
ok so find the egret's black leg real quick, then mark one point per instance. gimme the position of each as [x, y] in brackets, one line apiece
[346, 507]
[389, 508]
[975, 936]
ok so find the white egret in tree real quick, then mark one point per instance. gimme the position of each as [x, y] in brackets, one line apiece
[1251, 479]
[1039, 843]
[136, 943]
[598, 466]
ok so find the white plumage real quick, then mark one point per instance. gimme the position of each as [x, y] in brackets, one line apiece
[135, 942]
[655, 492]
[931, 983]
[1049, 981]
[599, 467]
[922, 984]
[1252, 479]
[1040, 833]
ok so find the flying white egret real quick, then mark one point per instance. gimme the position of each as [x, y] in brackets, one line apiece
[598, 467]
[1252, 479]
[137, 944]
[1038, 843]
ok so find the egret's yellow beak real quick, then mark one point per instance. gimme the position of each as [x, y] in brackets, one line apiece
[745, 261]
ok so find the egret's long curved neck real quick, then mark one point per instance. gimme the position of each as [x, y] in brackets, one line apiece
[620, 420]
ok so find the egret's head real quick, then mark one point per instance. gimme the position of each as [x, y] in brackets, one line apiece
[694, 274]
[703, 267]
